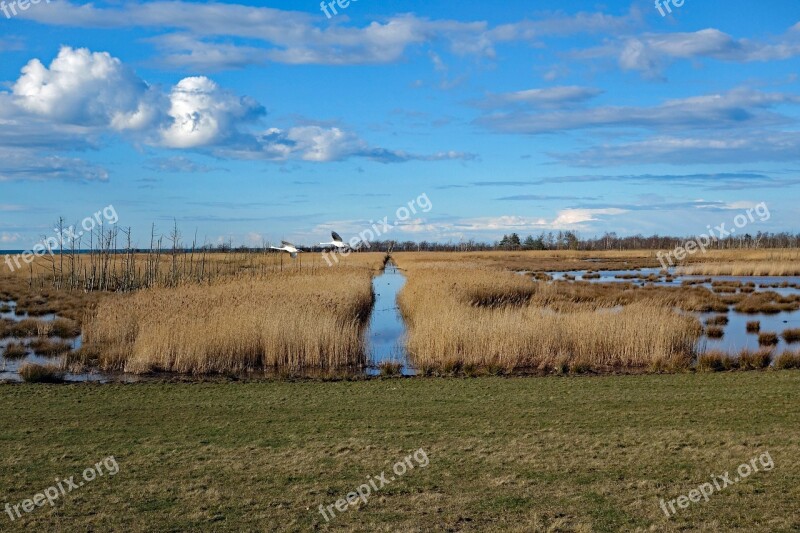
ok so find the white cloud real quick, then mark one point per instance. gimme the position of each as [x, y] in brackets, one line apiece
[203, 114]
[82, 96]
[565, 219]
[544, 97]
[89, 89]
[727, 206]
[651, 53]
[254, 239]
[301, 38]
[312, 143]
[574, 217]
[8, 238]
[743, 108]
[178, 164]
[30, 164]
[746, 147]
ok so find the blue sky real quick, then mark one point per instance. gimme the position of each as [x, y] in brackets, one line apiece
[263, 122]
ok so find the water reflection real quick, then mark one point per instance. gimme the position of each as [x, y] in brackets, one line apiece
[385, 338]
[9, 368]
[735, 338]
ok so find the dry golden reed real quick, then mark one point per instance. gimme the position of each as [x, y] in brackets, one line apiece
[287, 321]
[741, 268]
[472, 316]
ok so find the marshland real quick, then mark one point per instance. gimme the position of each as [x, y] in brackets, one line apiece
[261, 255]
[256, 314]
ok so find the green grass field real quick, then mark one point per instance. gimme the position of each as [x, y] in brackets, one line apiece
[518, 454]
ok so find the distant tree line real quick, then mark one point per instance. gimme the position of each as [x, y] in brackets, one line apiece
[570, 240]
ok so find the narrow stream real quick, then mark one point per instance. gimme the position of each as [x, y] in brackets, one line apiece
[385, 338]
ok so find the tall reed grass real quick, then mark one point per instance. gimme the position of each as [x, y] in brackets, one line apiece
[285, 321]
[741, 268]
[470, 316]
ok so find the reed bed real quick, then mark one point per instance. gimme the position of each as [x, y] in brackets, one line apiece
[50, 348]
[284, 322]
[32, 327]
[15, 350]
[551, 328]
[768, 302]
[767, 338]
[743, 268]
[791, 336]
[717, 361]
[717, 320]
[749, 360]
[35, 373]
[788, 360]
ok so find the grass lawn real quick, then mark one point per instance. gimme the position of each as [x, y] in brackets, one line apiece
[520, 454]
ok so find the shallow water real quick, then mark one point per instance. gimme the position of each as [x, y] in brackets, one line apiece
[610, 276]
[385, 337]
[736, 337]
[9, 368]
[387, 329]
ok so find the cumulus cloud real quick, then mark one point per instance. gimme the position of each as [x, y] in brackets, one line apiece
[82, 96]
[88, 89]
[311, 143]
[202, 114]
